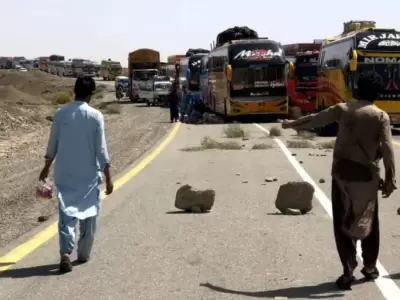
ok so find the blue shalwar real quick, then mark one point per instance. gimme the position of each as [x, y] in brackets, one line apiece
[77, 142]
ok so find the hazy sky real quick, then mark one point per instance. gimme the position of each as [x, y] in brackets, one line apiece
[111, 29]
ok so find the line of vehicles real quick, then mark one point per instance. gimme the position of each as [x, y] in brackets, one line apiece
[262, 76]
[57, 65]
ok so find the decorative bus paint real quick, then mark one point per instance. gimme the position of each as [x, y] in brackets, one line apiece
[302, 80]
[189, 74]
[44, 63]
[143, 65]
[342, 60]
[247, 77]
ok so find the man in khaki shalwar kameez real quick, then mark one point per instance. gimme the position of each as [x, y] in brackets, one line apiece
[363, 139]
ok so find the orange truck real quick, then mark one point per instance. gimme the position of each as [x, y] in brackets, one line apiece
[143, 65]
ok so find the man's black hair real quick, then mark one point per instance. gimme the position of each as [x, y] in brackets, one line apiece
[369, 85]
[84, 87]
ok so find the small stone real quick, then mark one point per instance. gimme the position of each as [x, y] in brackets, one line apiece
[311, 154]
[245, 139]
[263, 184]
[322, 180]
[245, 181]
[275, 179]
[195, 209]
[323, 154]
[43, 218]
[243, 146]
[300, 161]
[398, 211]
[178, 182]
[268, 179]
[237, 174]
[294, 154]
[317, 155]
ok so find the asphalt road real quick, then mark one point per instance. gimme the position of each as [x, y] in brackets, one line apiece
[240, 250]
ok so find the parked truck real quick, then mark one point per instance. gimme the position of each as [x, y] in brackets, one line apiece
[110, 69]
[143, 66]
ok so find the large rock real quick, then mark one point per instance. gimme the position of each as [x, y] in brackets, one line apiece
[188, 198]
[295, 195]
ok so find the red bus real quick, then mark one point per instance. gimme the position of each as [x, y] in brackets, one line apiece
[302, 77]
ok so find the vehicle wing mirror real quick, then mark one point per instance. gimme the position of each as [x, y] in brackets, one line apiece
[228, 72]
[353, 61]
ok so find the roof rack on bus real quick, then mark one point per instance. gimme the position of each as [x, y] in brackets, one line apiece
[382, 30]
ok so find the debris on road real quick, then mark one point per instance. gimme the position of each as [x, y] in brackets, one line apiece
[209, 143]
[262, 146]
[245, 181]
[269, 179]
[322, 180]
[188, 198]
[398, 211]
[295, 195]
[300, 144]
[43, 219]
[275, 131]
[235, 131]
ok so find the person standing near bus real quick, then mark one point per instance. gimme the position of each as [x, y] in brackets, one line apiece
[363, 139]
[173, 103]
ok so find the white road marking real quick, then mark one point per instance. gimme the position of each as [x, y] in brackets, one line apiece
[386, 285]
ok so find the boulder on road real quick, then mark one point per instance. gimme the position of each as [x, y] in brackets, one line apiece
[190, 199]
[295, 195]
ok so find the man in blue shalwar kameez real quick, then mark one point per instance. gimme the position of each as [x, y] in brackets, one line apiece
[77, 143]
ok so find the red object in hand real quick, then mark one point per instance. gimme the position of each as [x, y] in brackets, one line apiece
[44, 191]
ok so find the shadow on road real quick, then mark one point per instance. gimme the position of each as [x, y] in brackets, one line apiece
[37, 271]
[183, 212]
[395, 276]
[320, 291]
[45, 270]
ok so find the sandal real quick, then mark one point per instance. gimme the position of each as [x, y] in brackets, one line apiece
[370, 275]
[344, 282]
[65, 265]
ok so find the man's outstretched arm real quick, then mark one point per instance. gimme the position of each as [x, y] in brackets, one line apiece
[325, 117]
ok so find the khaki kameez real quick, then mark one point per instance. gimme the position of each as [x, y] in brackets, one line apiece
[363, 139]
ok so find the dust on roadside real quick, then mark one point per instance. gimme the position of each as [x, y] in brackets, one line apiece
[26, 103]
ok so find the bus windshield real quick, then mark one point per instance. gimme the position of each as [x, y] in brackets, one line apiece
[115, 66]
[142, 75]
[390, 74]
[258, 81]
[305, 73]
[194, 66]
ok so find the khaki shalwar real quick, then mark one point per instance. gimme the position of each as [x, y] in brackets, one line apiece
[363, 139]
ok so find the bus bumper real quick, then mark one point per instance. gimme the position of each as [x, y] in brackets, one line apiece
[394, 119]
